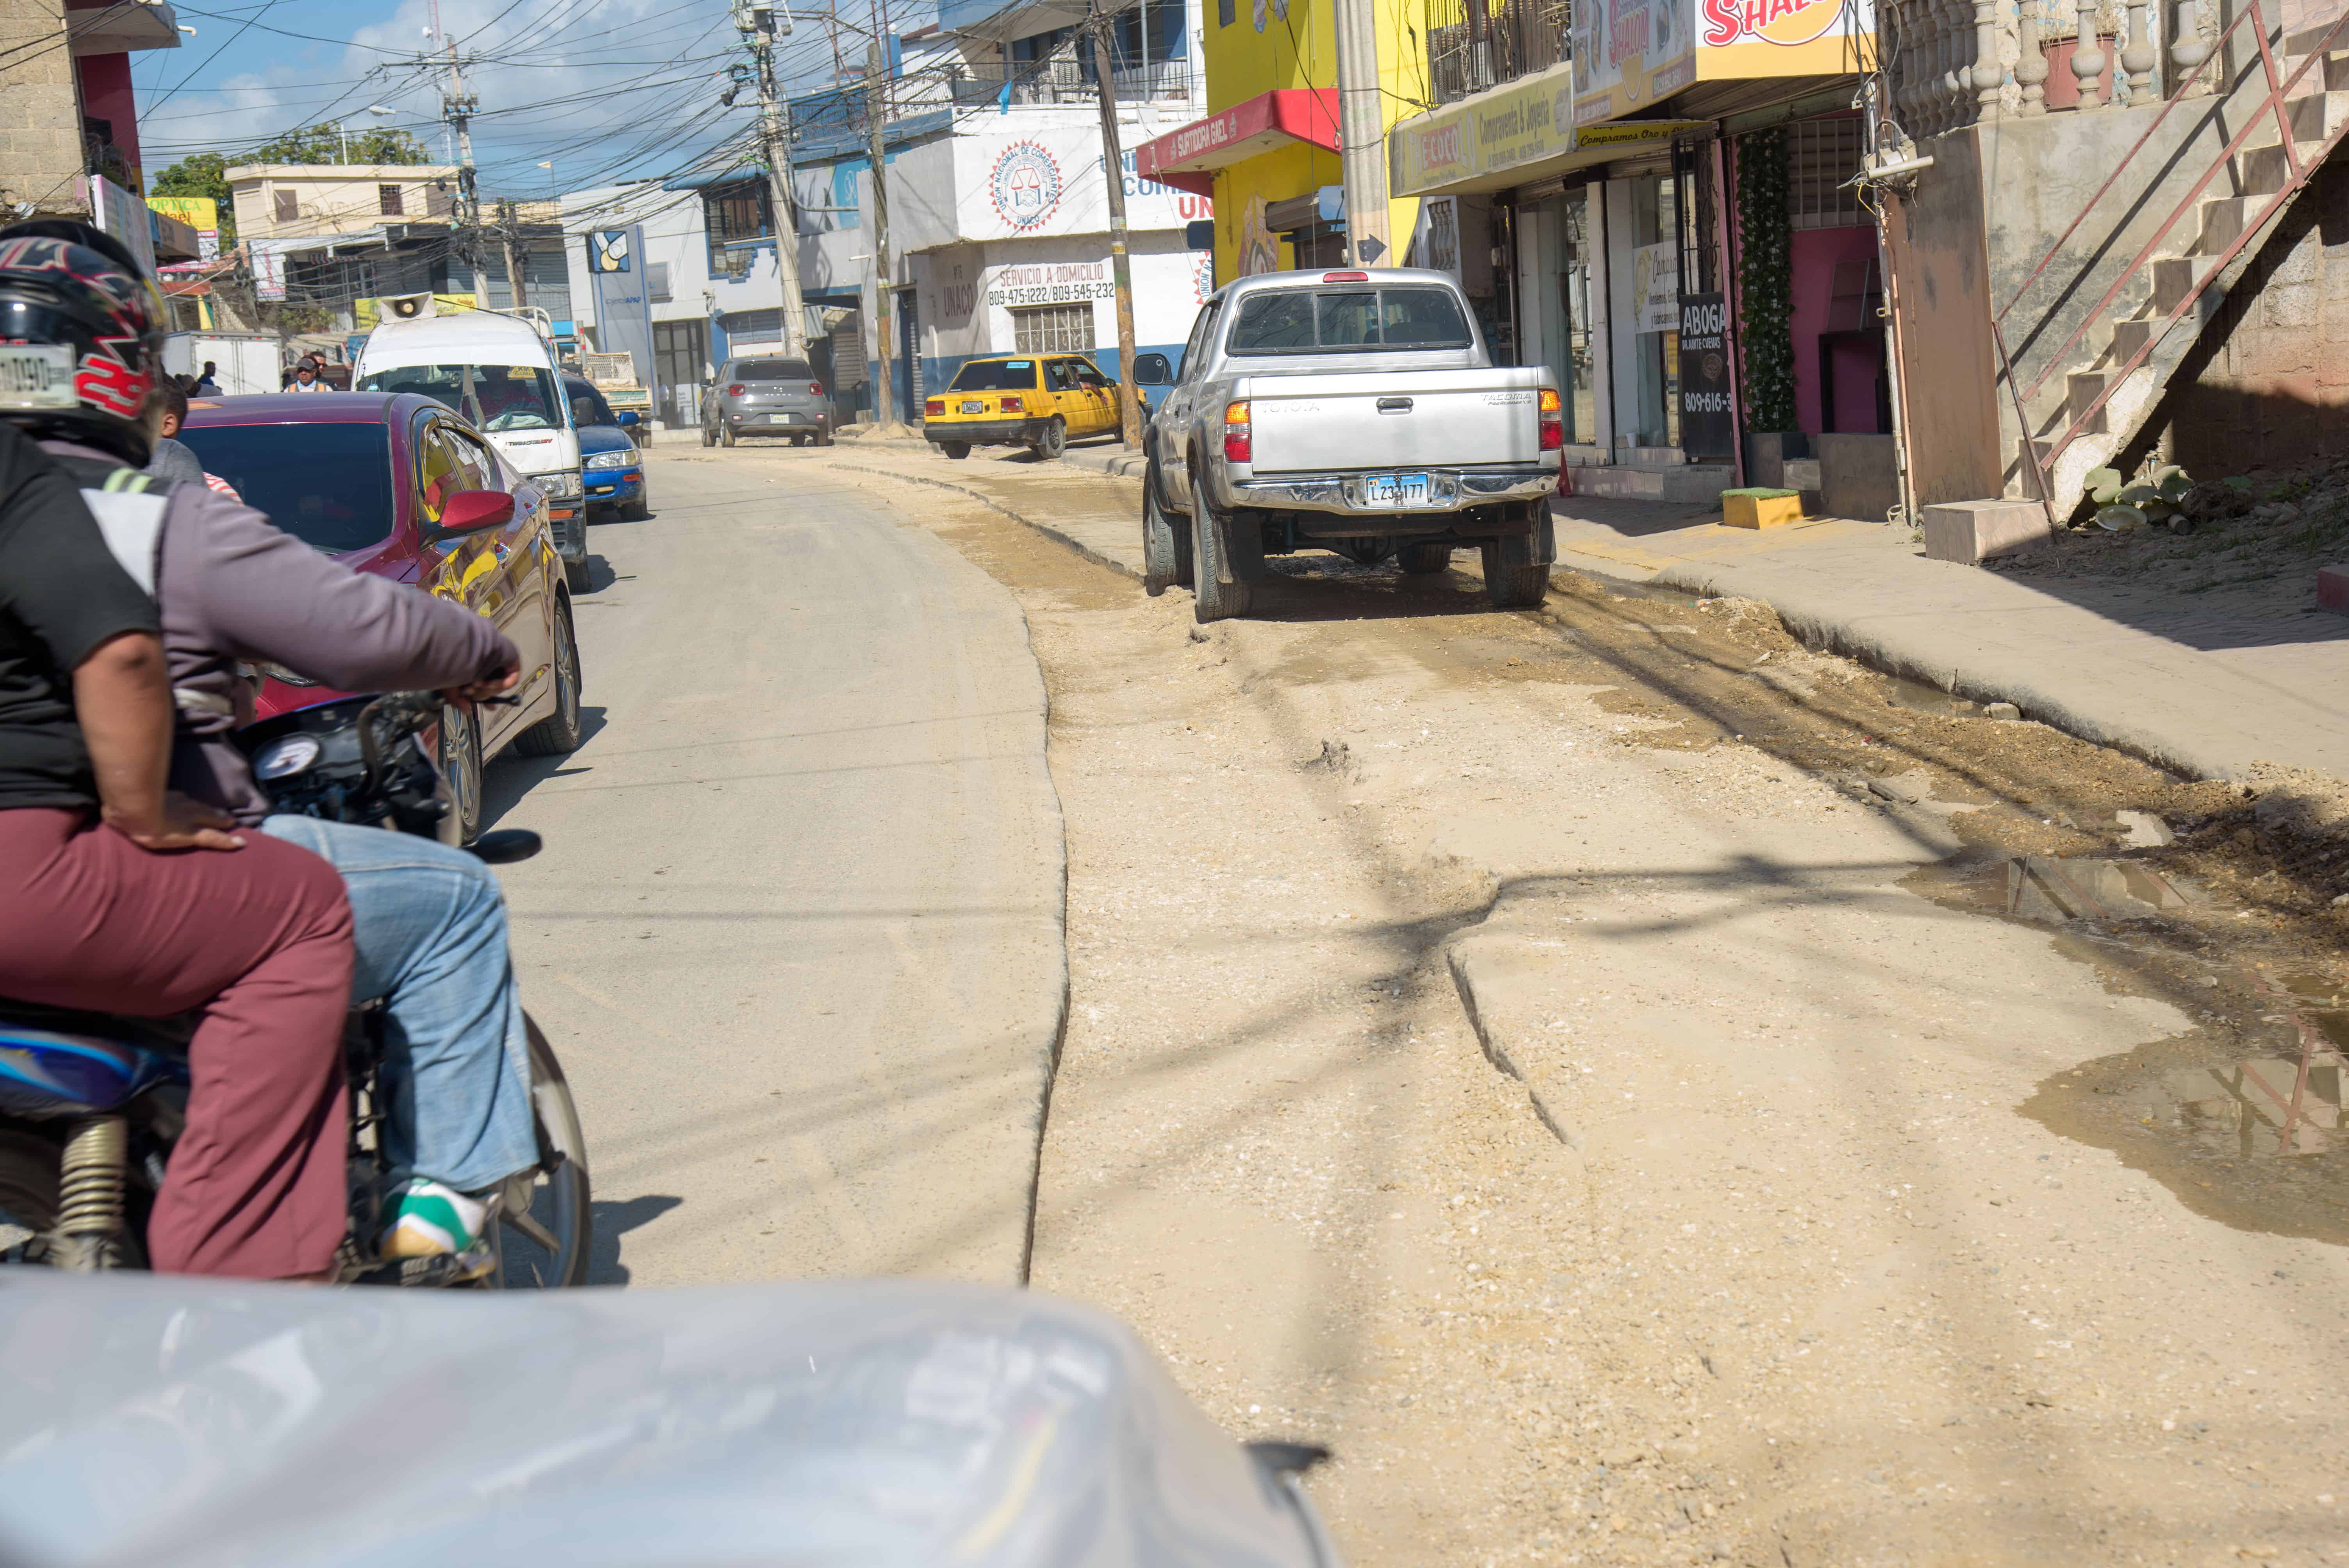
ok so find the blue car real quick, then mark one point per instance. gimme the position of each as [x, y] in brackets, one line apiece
[609, 464]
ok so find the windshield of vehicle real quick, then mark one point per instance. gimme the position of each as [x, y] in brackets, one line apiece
[1342, 321]
[493, 396]
[996, 376]
[327, 485]
[771, 370]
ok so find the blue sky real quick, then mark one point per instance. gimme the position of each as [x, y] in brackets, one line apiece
[600, 88]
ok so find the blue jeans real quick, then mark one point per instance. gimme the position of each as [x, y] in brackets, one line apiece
[430, 927]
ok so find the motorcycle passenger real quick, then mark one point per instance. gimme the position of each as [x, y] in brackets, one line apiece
[115, 895]
[430, 925]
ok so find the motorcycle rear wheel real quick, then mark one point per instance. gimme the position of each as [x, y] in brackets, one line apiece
[549, 1244]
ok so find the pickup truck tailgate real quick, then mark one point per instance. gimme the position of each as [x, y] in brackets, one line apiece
[1384, 420]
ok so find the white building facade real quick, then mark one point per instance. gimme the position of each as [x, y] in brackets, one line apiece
[999, 216]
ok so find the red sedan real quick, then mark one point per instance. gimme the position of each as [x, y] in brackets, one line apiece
[401, 486]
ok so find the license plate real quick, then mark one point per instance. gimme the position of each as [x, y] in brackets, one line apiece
[974, 407]
[36, 376]
[1395, 490]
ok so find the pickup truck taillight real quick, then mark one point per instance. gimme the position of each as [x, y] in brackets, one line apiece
[735, 390]
[1012, 406]
[1553, 421]
[934, 406]
[1239, 437]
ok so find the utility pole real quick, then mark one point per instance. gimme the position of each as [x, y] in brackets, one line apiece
[458, 107]
[509, 224]
[1129, 417]
[1361, 145]
[876, 65]
[755, 20]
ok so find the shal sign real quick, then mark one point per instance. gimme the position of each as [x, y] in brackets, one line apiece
[1630, 54]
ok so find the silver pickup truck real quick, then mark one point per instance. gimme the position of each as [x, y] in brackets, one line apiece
[1351, 411]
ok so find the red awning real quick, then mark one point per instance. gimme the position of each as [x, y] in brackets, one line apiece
[1187, 159]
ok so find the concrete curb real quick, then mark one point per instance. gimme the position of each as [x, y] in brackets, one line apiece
[2176, 710]
[1090, 553]
[1112, 461]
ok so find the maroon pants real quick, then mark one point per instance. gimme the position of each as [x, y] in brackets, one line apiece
[260, 939]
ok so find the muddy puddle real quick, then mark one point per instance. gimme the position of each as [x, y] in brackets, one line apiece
[2241, 1116]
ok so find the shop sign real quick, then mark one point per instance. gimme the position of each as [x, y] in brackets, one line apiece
[1510, 128]
[1053, 283]
[201, 214]
[1656, 287]
[1631, 53]
[1708, 420]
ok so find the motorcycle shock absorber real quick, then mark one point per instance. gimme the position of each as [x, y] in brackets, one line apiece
[89, 1195]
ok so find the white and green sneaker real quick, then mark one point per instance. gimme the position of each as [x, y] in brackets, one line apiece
[425, 1219]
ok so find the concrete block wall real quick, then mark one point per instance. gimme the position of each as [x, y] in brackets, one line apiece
[40, 114]
[2267, 383]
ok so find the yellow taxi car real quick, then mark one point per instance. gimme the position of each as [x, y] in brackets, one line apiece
[1040, 401]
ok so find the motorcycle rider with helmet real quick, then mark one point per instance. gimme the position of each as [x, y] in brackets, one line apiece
[429, 924]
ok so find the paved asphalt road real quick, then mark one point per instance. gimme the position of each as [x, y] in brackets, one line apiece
[797, 933]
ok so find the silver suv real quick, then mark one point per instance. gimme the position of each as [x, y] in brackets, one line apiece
[766, 397]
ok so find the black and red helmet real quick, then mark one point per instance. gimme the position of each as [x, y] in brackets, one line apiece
[77, 288]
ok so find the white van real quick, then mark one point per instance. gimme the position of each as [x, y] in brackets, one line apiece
[501, 376]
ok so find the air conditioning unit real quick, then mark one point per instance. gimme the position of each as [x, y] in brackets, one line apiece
[405, 307]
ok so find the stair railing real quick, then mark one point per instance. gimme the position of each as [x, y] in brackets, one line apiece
[2278, 92]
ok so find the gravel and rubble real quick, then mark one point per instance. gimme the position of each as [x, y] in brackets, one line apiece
[1775, 1197]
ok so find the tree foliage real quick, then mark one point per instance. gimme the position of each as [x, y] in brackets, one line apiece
[1766, 291]
[320, 144]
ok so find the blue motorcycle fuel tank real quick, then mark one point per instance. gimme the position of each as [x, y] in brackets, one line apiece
[44, 1073]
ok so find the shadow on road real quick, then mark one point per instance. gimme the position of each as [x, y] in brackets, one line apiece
[511, 776]
[614, 1219]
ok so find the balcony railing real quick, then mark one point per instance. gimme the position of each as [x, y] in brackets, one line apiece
[1961, 61]
[1473, 45]
[1063, 79]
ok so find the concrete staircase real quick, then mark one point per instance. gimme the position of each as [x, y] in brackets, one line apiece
[2102, 401]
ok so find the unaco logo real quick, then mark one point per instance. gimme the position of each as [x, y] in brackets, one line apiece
[1025, 186]
[1783, 22]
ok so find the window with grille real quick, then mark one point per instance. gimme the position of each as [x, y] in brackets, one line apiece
[1052, 329]
[735, 215]
[288, 205]
[386, 201]
[1822, 158]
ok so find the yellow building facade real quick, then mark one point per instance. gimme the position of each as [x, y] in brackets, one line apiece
[1268, 151]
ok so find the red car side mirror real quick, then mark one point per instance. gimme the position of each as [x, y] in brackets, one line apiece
[470, 511]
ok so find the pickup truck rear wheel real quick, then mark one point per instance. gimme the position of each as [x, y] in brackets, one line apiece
[1211, 598]
[1424, 560]
[1166, 543]
[1512, 580]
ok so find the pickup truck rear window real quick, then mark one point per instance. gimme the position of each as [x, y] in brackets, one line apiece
[996, 376]
[1340, 320]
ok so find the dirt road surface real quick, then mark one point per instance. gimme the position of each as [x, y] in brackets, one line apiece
[1580, 1066]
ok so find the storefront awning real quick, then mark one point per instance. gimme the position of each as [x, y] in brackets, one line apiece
[1187, 159]
[1511, 136]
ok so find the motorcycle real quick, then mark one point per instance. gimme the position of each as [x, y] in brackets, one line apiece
[90, 1104]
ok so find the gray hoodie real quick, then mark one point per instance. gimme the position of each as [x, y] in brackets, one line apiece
[231, 586]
